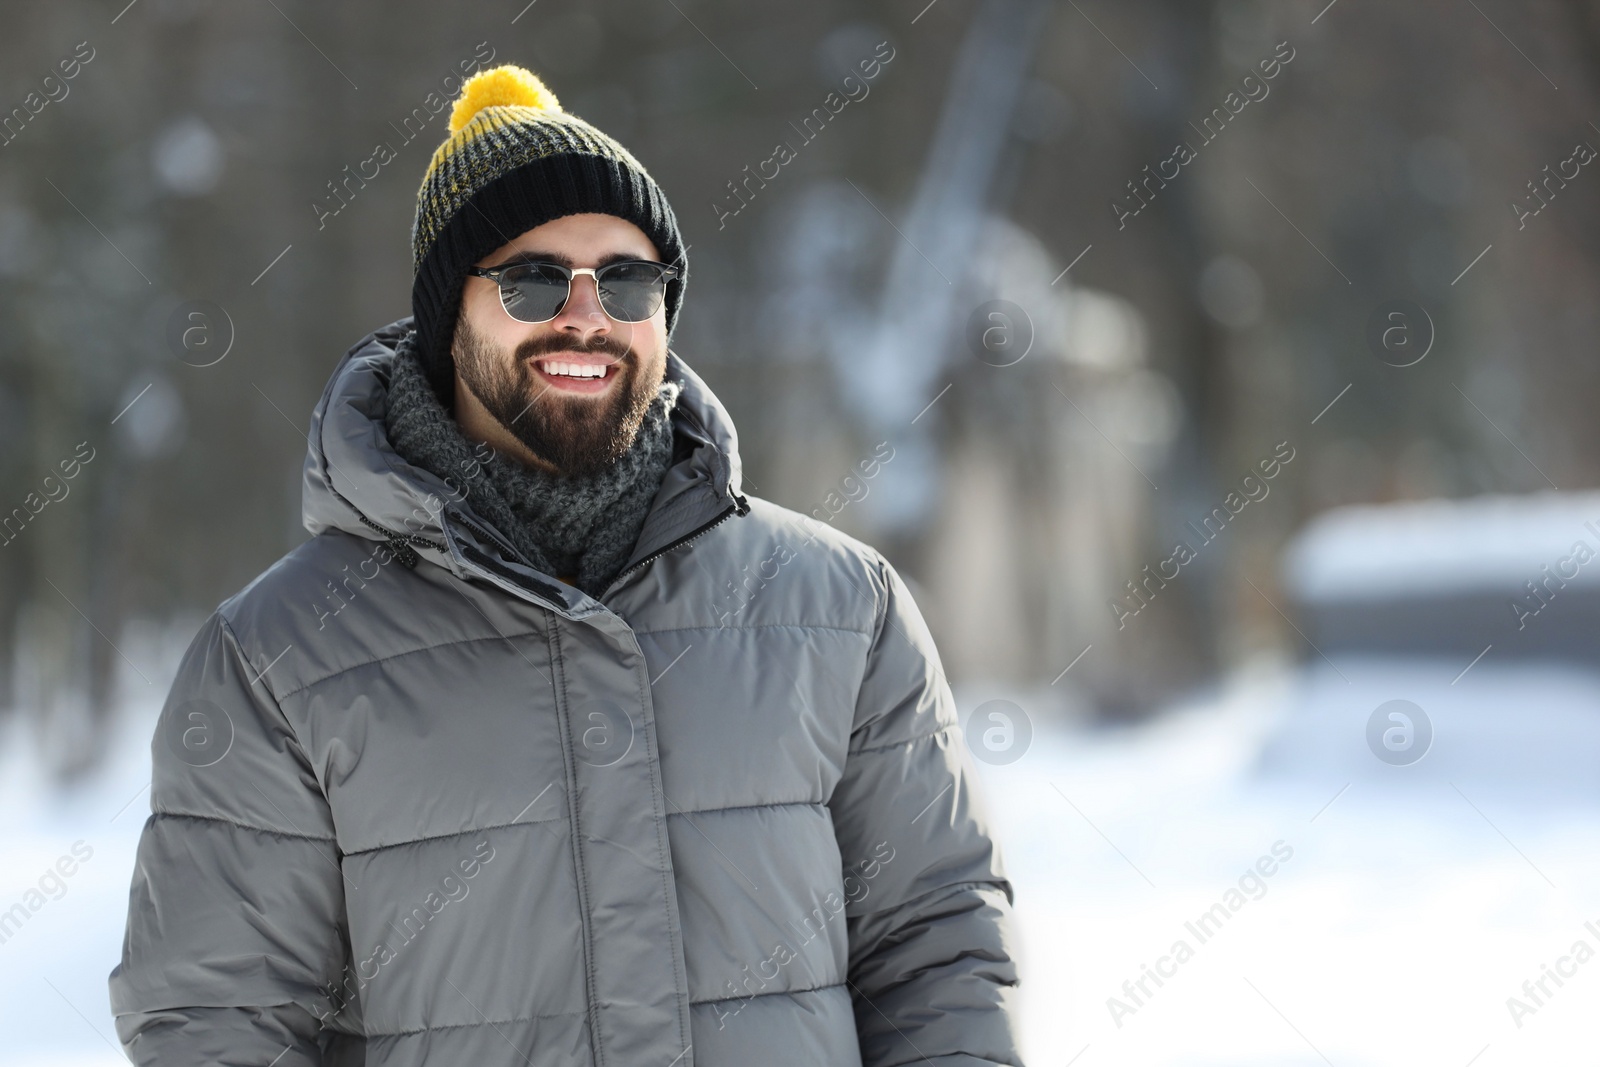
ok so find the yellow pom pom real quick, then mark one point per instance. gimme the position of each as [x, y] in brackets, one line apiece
[500, 86]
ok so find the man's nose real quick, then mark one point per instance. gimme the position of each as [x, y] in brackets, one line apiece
[582, 314]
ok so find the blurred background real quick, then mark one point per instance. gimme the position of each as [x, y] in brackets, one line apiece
[1234, 360]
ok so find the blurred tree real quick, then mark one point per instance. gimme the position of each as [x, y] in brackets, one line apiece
[191, 154]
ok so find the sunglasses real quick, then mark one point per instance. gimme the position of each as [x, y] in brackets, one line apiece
[630, 291]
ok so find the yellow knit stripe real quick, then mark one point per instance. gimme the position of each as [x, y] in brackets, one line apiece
[490, 118]
[496, 140]
[501, 116]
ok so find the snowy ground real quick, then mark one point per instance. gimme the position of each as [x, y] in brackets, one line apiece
[1414, 904]
[1416, 899]
[54, 1005]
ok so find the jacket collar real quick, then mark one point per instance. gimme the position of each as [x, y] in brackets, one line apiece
[355, 481]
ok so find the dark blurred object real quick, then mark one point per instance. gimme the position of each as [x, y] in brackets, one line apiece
[1508, 577]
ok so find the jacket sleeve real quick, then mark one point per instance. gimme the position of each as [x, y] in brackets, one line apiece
[932, 969]
[235, 951]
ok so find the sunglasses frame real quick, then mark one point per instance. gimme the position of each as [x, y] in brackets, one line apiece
[668, 274]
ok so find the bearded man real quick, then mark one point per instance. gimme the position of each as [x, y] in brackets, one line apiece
[552, 746]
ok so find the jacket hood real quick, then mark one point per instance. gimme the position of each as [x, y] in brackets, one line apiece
[356, 482]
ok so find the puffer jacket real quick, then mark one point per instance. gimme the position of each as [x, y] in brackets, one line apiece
[416, 803]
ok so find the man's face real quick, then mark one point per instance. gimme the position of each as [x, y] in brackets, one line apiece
[510, 382]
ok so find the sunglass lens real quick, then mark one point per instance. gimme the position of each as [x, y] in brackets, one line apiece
[533, 292]
[631, 292]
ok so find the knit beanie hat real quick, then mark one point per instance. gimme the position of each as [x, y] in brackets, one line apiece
[515, 160]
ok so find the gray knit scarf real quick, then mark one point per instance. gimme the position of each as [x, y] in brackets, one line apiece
[577, 528]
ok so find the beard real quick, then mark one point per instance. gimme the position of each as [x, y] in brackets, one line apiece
[578, 435]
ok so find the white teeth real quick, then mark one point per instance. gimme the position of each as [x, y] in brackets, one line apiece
[574, 370]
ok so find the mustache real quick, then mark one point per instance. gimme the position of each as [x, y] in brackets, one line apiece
[601, 345]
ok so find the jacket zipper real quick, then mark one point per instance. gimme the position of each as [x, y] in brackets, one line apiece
[740, 507]
[484, 536]
[400, 543]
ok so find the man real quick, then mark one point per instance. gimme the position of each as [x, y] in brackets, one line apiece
[552, 746]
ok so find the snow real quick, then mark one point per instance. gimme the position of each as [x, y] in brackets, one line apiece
[1397, 930]
[1416, 901]
[54, 1004]
[1493, 542]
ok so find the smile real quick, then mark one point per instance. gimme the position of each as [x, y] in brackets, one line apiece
[574, 370]
[574, 376]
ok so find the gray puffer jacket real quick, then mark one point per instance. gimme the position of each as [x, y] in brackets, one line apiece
[416, 803]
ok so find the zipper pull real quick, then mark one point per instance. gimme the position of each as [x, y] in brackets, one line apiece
[400, 544]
